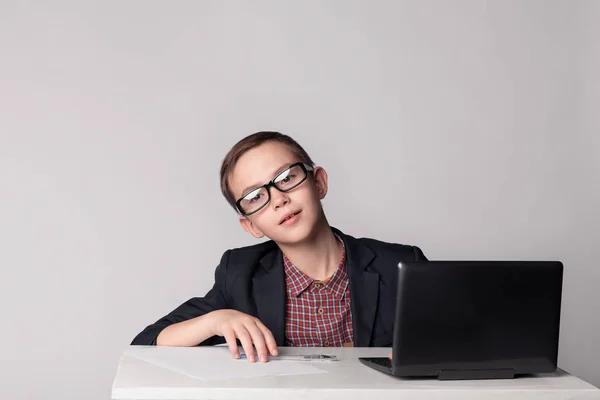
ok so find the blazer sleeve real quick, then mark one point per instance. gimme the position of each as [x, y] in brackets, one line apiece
[215, 299]
[419, 256]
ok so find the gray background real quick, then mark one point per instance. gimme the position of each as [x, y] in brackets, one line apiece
[469, 128]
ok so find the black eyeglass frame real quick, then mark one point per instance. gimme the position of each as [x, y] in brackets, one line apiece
[305, 168]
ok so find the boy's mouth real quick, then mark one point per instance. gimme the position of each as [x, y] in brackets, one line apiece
[289, 216]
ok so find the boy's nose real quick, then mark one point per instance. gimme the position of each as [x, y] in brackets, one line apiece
[279, 199]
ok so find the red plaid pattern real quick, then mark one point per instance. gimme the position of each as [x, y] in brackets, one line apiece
[318, 313]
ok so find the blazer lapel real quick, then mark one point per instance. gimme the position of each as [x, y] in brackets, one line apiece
[269, 294]
[364, 289]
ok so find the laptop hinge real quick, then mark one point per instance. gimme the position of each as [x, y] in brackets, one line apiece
[467, 374]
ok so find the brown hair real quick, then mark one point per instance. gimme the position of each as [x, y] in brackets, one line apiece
[248, 143]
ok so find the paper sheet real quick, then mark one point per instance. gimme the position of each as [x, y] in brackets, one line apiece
[191, 363]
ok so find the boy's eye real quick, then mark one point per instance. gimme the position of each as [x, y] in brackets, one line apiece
[255, 198]
[287, 179]
[283, 177]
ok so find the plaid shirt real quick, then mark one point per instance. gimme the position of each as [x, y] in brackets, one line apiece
[318, 313]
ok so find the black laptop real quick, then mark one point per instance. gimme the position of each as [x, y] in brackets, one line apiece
[475, 320]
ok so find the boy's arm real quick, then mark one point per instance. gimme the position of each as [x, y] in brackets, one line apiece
[193, 331]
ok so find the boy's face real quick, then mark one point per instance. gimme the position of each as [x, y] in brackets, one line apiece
[260, 165]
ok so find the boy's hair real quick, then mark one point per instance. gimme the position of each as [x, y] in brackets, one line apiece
[248, 143]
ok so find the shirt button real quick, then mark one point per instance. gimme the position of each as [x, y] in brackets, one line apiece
[320, 311]
[326, 343]
[317, 285]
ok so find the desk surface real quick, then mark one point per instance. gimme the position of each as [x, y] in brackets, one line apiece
[345, 379]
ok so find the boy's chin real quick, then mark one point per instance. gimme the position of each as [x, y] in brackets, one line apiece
[295, 235]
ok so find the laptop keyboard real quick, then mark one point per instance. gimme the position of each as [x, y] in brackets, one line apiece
[383, 361]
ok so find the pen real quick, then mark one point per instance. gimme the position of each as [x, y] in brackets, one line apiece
[301, 357]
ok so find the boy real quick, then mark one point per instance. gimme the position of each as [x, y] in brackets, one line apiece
[310, 285]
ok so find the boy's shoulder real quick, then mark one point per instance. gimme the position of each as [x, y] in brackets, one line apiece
[258, 248]
[376, 244]
[250, 255]
[372, 242]
[380, 247]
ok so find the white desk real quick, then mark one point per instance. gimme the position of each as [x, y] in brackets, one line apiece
[345, 379]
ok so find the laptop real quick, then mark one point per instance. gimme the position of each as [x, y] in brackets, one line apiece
[475, 320]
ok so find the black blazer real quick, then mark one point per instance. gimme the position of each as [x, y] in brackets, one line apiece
[252, 280]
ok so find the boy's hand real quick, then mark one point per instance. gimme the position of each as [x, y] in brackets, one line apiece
[232, 325]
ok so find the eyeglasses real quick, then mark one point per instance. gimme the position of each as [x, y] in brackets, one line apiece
[285, 181]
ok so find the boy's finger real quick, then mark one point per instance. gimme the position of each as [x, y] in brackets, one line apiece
[246, 340]
[229, 336]
[259, 342]
[269, 339]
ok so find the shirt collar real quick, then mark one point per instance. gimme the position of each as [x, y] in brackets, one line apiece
[297, 282]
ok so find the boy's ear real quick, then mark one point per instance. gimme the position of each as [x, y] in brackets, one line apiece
[320, 177]
[250, 227]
